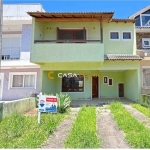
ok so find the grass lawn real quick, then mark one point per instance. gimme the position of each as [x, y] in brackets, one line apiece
[142, 109]
[136, 134]
[19, 131]
[84, 133]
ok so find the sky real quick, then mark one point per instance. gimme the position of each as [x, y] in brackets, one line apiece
[121, 8]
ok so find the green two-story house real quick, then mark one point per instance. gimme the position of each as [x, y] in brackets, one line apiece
[87, 55]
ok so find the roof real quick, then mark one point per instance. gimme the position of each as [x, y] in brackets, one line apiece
[123, 20]
[85, 16]
[122, 57]
[139, 12]
[142, 27]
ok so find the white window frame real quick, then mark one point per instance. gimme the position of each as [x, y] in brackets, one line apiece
[141, 19]
[127, 32]
[107, 79]
[21, 73]
[145, 39]
[114, 39]
[112, 81]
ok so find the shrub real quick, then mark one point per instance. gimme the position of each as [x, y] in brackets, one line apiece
[64, 101]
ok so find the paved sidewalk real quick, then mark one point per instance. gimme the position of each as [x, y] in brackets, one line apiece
[138, 115]
[108, 130]
[56, 140]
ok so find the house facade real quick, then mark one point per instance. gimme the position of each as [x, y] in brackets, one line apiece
[18, 77]
[142, 27]
[87, 55]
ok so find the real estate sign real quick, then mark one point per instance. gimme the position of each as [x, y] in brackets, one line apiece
[47, 104]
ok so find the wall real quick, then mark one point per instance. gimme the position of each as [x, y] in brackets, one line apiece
[139, 37]
[132, 85]
[20, 10]
[18, 93]
[49, 29]
[119, 46]
[20, 106]
[144, 64]
[26, 41]
[105, 91]
[107, 65]
[68, 52]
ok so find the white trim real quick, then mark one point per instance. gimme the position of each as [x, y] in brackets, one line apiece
[140, 20]
[72, 92]
[21, 73]
[127, 32]
[2, 83]
[140, 12]
[118, 88]
[114, 39]
[103, 79]
[26, 67]
[146, 67]
[112, 82]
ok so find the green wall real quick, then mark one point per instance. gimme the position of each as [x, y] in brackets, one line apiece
[132, 84]
[108, 65]
[111, 91]
[105, 91]
[85, 52]
[68, 52]
[119, 46]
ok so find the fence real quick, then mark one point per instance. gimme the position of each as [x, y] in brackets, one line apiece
[21, 106]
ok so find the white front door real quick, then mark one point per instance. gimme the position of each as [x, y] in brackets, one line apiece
[1, 84]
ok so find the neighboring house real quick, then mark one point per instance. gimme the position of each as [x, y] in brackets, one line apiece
[98, 50]
[142, 26]
[19, 78]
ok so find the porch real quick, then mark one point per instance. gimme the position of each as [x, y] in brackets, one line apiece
[99, 101]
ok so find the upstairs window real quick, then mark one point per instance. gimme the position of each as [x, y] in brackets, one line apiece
[126, 35]
[146, 42]
[145, 19]
[114, 35]
[71, 34]
[11, 47]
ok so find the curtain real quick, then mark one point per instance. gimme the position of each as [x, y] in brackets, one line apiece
[29, 81]
[17, 81]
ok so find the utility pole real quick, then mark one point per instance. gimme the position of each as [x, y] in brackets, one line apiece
[1, 22]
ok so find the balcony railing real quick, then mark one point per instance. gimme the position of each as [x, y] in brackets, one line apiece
[66, 41]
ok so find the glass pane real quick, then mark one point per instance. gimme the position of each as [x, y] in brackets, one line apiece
[74, 84]
[114, 35]
[65, 35]
[147, 79]
[79, 35]
[126, 36]
[145, 20]
[29, 81]
[146, 43]
[17, 81]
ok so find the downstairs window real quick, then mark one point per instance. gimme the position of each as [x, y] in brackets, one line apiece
[73, 84]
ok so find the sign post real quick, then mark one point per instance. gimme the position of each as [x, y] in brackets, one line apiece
[46, 104]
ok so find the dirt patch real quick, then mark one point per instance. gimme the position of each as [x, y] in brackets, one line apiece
[32, 112]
